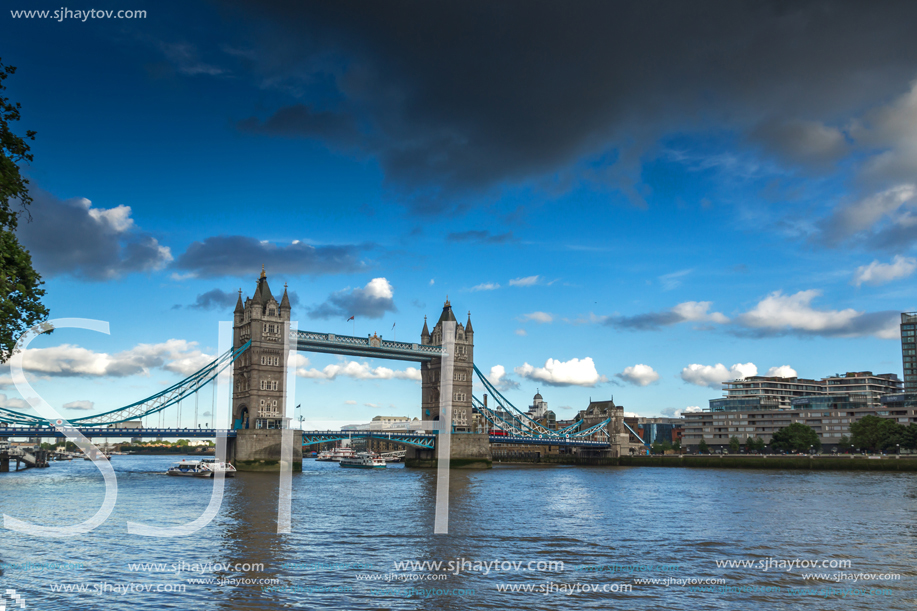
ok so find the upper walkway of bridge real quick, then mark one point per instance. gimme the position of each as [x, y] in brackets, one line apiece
[372, 346]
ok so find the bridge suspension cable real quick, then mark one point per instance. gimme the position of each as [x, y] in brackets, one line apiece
[516, 422]
[151, 405]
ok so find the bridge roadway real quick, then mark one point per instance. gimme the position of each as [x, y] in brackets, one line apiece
[415, 438]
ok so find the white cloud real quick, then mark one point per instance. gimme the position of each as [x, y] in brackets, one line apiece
[350, 402]
[15, 404]
[358, 371]
[373, 405]
[778, 314]
[527, 281]
[869, 211]
[540, 317]
[521, 332]
[881, 273]
[432, 281]
[81, 405]
[67, 360]
[498, 378]
[779, 311]
[783, 371]
[378, 288]
[372, 301]
[487, 286]
[714, 375]
[575, 372]
[698, 311]
[638, 375]
[673, 280]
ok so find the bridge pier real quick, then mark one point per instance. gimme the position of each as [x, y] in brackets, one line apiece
[260, 449]
[468, 451]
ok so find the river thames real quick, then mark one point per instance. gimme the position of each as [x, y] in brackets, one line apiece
[520, 537]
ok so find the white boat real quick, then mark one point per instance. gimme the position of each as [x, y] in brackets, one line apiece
[396, 456]
[206, 467]
[336, 455]
[363, 460]
[216, 466]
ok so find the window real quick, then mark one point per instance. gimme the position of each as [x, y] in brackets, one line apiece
[270, 360]
[269, 384]
[271, 312]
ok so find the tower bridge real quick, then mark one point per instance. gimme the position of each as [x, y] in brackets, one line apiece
[263, 340]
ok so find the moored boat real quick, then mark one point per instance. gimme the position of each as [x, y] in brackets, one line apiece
[336, 455]
[363, 460]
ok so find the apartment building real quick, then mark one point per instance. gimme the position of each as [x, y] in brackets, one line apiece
[829, 416]
[767, 393]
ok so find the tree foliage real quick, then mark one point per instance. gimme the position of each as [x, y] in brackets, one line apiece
[702, 447]
[796, 437]
[734, 445]
[20, 284]
[876, 434]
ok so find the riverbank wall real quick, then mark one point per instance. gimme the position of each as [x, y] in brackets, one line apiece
[814, 463]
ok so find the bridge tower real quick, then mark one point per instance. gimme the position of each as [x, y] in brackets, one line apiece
[259, 374]
[259, 380]
[463, 371]
[466, 449]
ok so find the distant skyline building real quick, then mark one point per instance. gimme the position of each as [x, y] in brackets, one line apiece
[909, 350]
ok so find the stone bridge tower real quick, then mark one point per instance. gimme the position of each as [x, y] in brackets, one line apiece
[259, 374]
[463, 372]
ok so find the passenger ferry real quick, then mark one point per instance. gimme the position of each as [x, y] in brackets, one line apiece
[206, 467]
[364, 460]
[336, 455]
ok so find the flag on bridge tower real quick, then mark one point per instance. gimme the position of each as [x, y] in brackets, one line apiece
[393, 325]
[349, 319]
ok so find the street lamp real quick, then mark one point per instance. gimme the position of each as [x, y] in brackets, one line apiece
[898, 445]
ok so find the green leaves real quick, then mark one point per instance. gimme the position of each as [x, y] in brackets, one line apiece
[20, 284]
[796, 437]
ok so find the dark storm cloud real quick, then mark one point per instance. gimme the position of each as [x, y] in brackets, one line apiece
[73, 237]
[243, 256]
[481, 237]
[454, 98]
[217, 299]
[645, 322]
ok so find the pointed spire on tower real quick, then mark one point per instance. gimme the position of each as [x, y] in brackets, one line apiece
[285, 302]
[447, 312]
[239, 308]
[468, 328]
[426, 331]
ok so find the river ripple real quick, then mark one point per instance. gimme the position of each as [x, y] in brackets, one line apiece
[350, 523]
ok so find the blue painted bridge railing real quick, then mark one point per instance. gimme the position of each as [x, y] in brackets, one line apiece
[104, 431]
[416, 439]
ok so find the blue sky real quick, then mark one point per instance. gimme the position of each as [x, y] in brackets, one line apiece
[628, 206]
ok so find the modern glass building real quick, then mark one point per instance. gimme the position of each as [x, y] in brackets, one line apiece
[909, 350]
